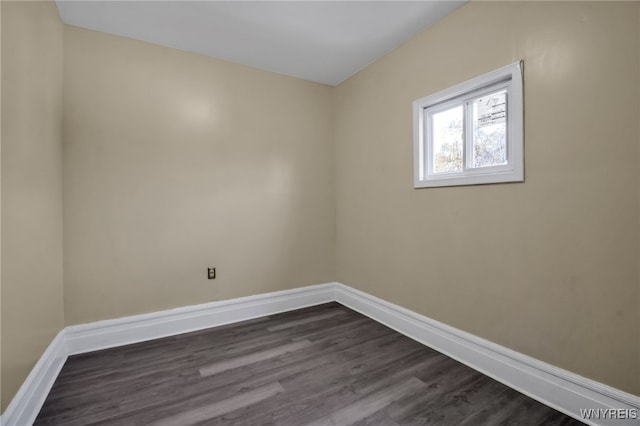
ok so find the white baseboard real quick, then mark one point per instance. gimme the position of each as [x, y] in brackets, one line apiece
[75, 339]
[139, 328]
[557, 388]
[25, 405]
[553, 386]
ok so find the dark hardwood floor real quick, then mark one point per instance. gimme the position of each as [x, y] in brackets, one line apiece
[324, 365]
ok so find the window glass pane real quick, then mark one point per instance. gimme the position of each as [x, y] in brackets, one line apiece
[446, 128]
[489, 130]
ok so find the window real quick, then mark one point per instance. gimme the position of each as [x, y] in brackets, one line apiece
[471, 133]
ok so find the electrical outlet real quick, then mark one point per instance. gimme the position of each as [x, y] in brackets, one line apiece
[211, 273]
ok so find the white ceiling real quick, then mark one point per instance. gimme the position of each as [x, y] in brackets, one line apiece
[323, 41]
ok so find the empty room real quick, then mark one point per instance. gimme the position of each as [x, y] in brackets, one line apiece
[320, 213]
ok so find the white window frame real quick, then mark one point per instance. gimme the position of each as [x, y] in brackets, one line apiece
[509, 78]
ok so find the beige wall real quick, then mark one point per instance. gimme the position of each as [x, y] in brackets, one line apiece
[175, 162]
[32, 311]
[548, 267]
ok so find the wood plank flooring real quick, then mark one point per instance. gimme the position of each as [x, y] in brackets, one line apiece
[324, 365]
